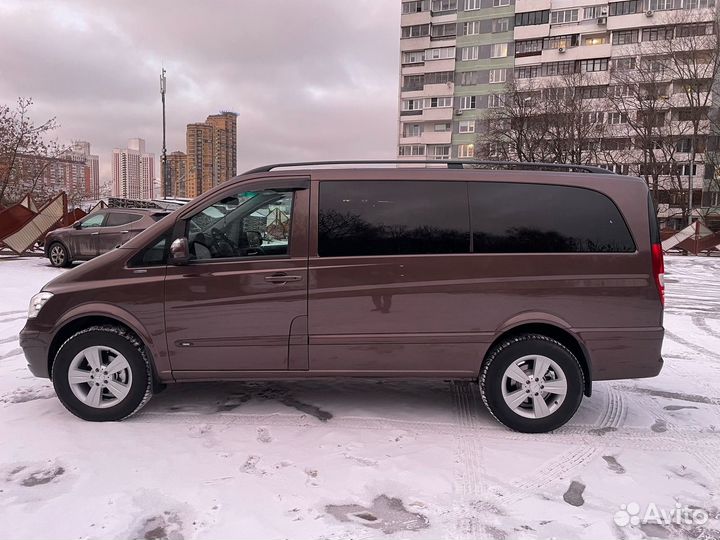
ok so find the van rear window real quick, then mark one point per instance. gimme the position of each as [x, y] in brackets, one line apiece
[541, 218]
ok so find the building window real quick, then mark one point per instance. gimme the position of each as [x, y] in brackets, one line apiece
[466, 150]
[412, 130]
[656, 33]
[594, 117]
[470, 53]
[414, 7]
[441, 53]
[412, 83]
[564, 16]
[472, 5]
[530, 47]
[438, 102]
[594, 12]
[443, 5]
[412, 57]
[528, 72]
[495, 101]
[501, 25]
[624, 37]
[689, 30]
[625, 63]
[443, 30]
[498, 50]
[469, 78]
[466, 126]
[561, 42]
[660, 5]
[559, 68]
[593, 92]
[438, 152]
[625, 8]
[445, 126]
[439, 77]
[595, 40]
[471, 28]
[498, 75]
[466, 102]
[501, 3]
[616, 118]
[411, 105]
[532, 17]
[412, 150]
[418, 30]
[595, 64]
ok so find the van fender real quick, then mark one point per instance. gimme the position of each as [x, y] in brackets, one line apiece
[157, 350]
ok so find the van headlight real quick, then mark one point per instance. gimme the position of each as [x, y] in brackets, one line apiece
[37, 302]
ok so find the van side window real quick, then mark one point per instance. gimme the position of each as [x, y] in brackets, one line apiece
[392, 218]
[246, 224]
[154, 254]
[540, 218]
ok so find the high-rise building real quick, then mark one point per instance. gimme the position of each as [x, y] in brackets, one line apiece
[177, 173]
[454, 55]
[133, 171]
[211, 152]
[80, 151]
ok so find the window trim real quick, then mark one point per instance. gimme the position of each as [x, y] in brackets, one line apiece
[278, 183]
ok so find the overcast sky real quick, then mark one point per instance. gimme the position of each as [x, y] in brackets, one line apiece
[310, 79]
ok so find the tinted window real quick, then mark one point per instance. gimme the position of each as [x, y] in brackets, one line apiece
[537, 218]
[115, 219]
[392, 218]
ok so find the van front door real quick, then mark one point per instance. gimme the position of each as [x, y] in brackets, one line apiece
[241, 303]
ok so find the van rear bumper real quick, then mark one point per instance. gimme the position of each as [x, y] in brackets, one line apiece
[620, 353]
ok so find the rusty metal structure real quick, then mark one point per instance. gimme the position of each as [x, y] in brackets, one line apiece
[696, 239]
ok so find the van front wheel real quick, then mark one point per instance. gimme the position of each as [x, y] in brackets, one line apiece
[102, 374]
[532, 383]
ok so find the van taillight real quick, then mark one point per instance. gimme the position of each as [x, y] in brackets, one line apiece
[658, 266]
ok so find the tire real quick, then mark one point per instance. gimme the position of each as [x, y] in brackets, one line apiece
[58, 255]
[517, 403]
[87, 355]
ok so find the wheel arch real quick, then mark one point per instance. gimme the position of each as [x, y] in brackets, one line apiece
[76, 324]
[556, 332]
[68, 250]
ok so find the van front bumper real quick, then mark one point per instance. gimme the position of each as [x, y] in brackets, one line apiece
[35, 346]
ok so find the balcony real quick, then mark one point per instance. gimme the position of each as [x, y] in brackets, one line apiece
[438, 113]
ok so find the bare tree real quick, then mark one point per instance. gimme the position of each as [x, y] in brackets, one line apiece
[25, 151]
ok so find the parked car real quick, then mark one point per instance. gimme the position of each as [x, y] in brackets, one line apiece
[535, 283]
[97, 233]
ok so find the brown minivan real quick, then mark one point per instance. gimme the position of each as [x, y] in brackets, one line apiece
[534, 280]
[97, 233]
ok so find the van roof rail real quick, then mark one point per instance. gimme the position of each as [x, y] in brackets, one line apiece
[451, 164]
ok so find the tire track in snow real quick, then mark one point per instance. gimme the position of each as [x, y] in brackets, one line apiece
[700, 322]
[10, 339]
[690, 345]
[466, 397]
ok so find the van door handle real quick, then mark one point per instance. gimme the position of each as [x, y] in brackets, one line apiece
[94, 233]
[124, 232]
[282, 278]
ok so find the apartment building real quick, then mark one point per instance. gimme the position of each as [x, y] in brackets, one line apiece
[211, 153]
[177, 173]
[133, 171]
[79, 151]
[460, 58]
[456, 56]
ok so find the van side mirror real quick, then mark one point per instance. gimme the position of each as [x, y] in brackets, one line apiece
[179, 251]
[76, 225]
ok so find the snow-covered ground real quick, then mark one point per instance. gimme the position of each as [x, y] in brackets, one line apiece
[366, 459]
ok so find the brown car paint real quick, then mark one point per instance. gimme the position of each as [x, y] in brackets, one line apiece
[438, 314]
